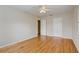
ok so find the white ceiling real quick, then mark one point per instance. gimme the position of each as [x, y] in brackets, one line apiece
[35, 9]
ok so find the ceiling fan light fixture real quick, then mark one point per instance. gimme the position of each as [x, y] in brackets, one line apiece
[43, 9]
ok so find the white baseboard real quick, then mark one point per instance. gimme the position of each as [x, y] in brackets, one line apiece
[28, 39]
[76, 45]
[60, 36]
[12, 43]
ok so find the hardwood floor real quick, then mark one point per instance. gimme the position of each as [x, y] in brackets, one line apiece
[42, 44]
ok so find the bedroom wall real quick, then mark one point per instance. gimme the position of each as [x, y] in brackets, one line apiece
[75, 27]
[66, 20]
[15, 25]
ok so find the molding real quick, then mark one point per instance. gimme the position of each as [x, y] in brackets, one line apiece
[60, 36]
[12, 43]
[76, 45]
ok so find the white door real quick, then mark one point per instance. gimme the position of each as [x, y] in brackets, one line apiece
[57, 26]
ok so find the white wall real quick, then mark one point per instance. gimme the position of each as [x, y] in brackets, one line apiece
[75, 27]
[15, 25]
[66, 26]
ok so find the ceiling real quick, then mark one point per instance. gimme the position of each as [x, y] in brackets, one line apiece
[35, 9]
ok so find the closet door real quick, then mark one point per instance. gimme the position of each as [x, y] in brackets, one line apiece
[57, 26]
[43, 26]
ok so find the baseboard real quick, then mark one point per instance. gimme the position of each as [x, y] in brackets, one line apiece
[76, 46]
[12, 43]
[60, 36]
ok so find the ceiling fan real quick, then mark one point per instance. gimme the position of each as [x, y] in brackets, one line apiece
[43, 9]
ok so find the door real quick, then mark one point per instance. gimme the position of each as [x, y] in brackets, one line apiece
[39, 28]
[57, 26]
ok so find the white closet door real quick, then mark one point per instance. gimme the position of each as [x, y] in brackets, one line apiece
[43, 26]
[57, 26]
